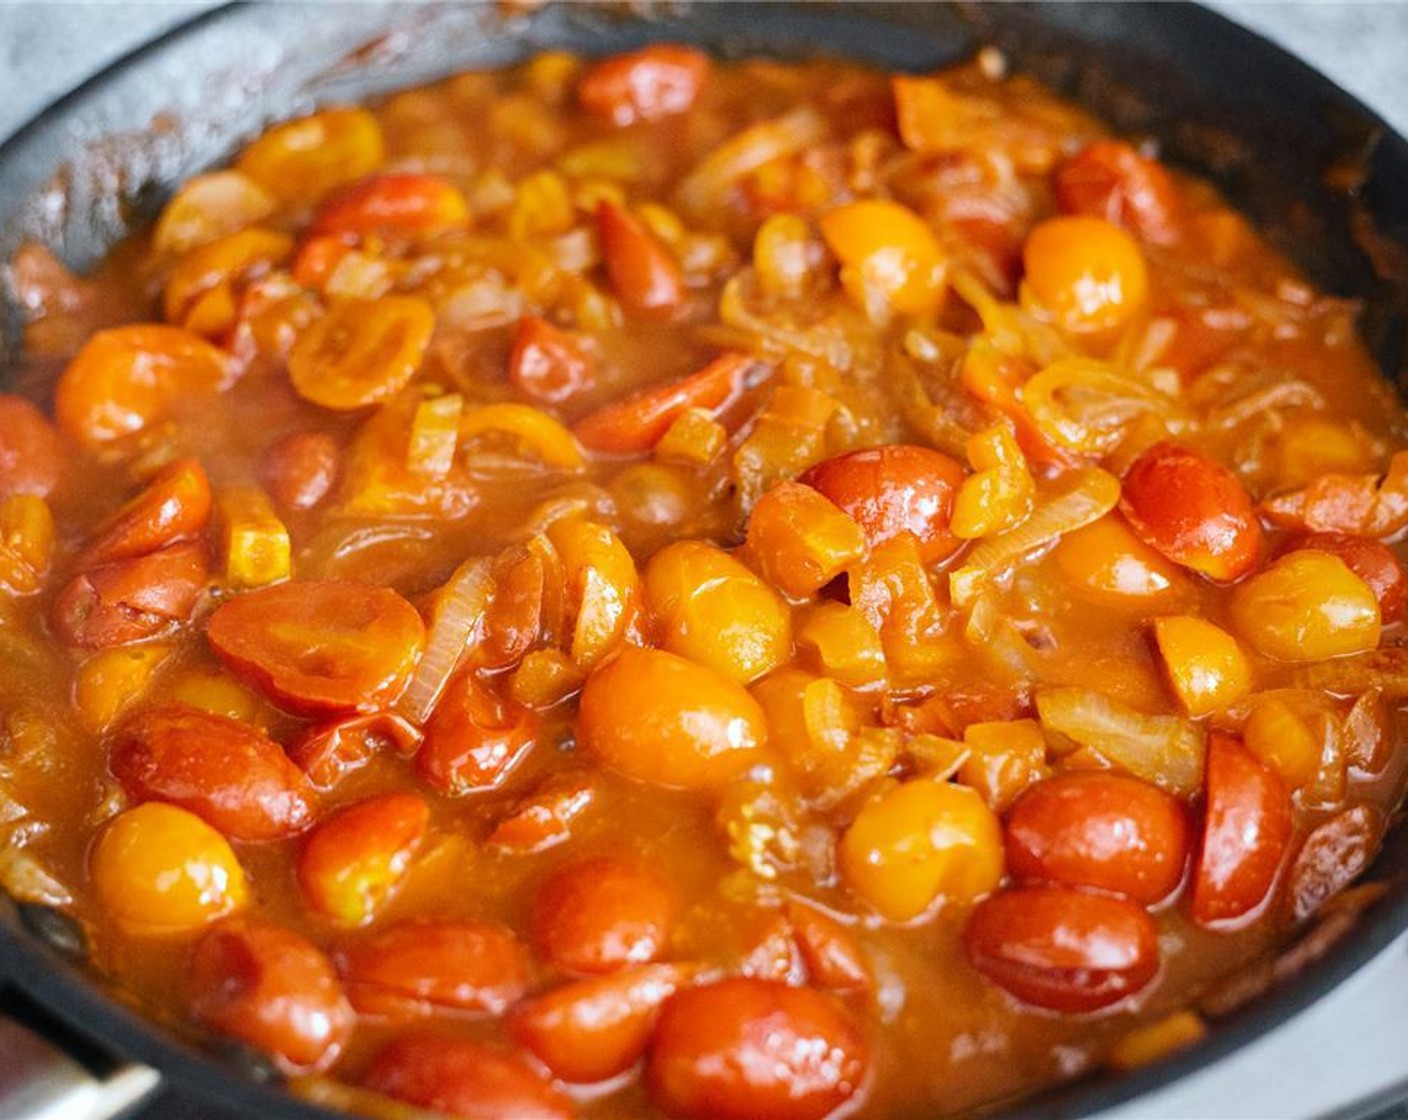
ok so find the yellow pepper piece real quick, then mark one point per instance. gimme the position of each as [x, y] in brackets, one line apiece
[435, 433]
[1277, 735]
[1206, 666]
[1004, 758]
[603, 587]
[109, 681]
[254, 542]
[214, 690]
[842, 642]
[801, 541]
[541, 207]
[541, 435]
[1001, 492]
[1157, 1040]
[695, 437]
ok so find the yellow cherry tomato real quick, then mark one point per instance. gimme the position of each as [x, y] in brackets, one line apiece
[361, 352]
[1089, 276]
[1307, 606]
[301, 160]
[888, 255]
[1107, 563]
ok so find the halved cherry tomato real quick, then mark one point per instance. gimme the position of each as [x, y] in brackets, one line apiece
[460, 1077]
[1063, 950]
[172, 506]
[895, 489]
[232, 260]
[300, 469]
[474, 738]
[636, 424]
[1193, 510]
[1335, 853]
[132, 600]
[328, 752]
[657, 81]
[229, 773]
[661, 719]
[301, 160]
[361, 352]
[127, 378]
[32, 457]
[273, 989]
[402, 203]
[1109, 179]
[589, 1030]
[1371, 560]
[352, 863]
[754, 1050]
[1104, 830]
[1245, 834]
[325, 646]
[602, 914]
[547, 364]
[544, 817]
[643, 272]
[833, 959]
[419, 967]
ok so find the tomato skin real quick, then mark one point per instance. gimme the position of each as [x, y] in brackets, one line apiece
[589, 1030]
[474, 738]
[1192, 510]
[229, 773]
[423, 966]
[895, 489]
[602, 914]
[1246, 830]
[657, 81]
[399, 203]
[547, 364]
[643, 272]
[319, 646]
[174, 505]
[327, 752]
[833, 959]
[361, 352]
[300, 470]
[1335, 853]
[1109, 179]
[352, 863]
[1104, 830]
[273, 989]
[131, 600]
[31, 453]
[1062, 950]
[1371, 560]
[543, 818]
[464, 1078]
[745, 1049]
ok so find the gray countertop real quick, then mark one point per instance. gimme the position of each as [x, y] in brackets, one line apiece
[1351, 1044]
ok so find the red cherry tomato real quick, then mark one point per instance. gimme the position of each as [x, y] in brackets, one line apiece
[1192, 510]
[656, 81]
[1334, 854]
[1245, 833]
[589, 1030]
[31, 454]
[1109, 179]
[643, 272]
[1371, 560]
[829, 950]
[474, 738]
[227, 772]
[269, 987]
[328, 752]
[131, 600]
[353, 863]
[895, 489]
[420, 967]
[300, 469]
[602, 914]
[314, 647]
[460, 1077]
[754, 1050]
[173, 506]
[544, 817]
[1103, 830]
[547, 364]
[1063, 950]
[402, 203]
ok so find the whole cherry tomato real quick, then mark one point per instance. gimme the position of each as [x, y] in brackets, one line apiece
[602, 914]
[461, 1077]
[352, 863]
[656, 81]
[402, 203]
[547, 364]
[301, 468]
[1109, 179]
[1371, 560]
[643, 272]
[474, 738]
[31, 454]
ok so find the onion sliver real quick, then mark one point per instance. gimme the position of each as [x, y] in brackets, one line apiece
[456, 622]
[704, 187]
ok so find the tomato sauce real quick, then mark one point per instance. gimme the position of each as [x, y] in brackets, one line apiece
[664, 587]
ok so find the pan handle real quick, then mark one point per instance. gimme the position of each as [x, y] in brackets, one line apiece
[40, 1079]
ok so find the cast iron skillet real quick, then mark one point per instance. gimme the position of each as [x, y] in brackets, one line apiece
[1222, 102]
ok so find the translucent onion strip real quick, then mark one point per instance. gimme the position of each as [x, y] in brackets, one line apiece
[456, 622]
[704, 187]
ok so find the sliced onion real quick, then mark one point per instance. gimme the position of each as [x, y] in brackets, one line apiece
[704, 187]
[1385, 669]
[1165, 750]
[457, 621]
[1084, 405]
[1090, 494]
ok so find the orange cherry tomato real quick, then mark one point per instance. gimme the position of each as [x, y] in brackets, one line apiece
[1334, 854]
[546, 364]
[327, 752]
[127, 378]
[636, 424]
[229, 773]
[1104, 830]
[658, 718]
[1192, 510]
[1371, 560]
[419, 967]
[1063, 950]
[890, 257]
[1247, 827]
[273, 989]
[173, 505]
[895, 489]
[643, 272]
[301, 160]
[746, 1049]
[1089, 276]
[352, 863]
[299, 470]
[1109, 179]
[316, 647]
[361, 352]
[1106, 563]
[474, 738]
[460, 1077]
[657, 81]
[602, 914]
[544, 818]
[590, 1030]
[132, 600]
[833, 959]
[400, 204]
[32, 457]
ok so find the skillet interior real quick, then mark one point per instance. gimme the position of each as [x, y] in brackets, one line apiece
[1225, 104]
